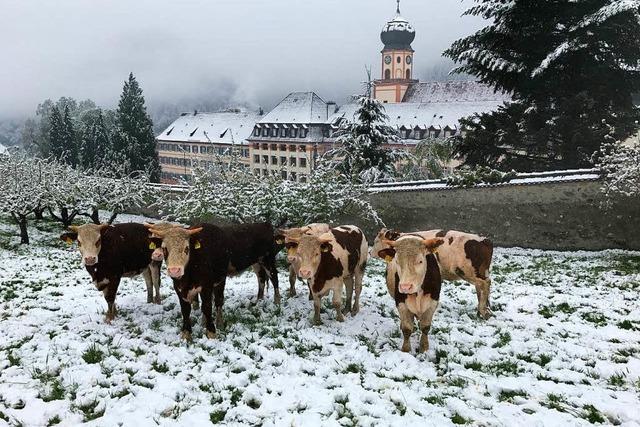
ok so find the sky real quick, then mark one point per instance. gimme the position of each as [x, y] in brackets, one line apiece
[250, 52]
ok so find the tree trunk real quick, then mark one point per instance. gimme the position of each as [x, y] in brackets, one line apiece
[95, 217]
[113, 217]
[24, 235]
[38, 213]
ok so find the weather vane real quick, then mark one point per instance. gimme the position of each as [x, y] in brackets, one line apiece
[398, 8]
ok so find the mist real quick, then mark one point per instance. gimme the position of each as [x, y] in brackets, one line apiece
[193, 53]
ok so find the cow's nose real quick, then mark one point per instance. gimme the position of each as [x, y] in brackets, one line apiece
[305, 274]
[291, 259]
[175, 272]
[157, 256]
[89, 260]
[405, 287]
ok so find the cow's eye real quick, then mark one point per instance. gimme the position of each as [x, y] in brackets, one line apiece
[420, 262]
[186, 250]
[79, 243]
[97, 243]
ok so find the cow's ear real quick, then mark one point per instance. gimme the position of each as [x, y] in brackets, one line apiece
[387, 254]
[195, 242]
[326, 247]
[291, 245]
[69, 237]
[154, 243]
[278, 237]
[432, 244]
[392, 235]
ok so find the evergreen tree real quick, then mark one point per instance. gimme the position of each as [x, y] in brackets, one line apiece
[55, 146]
[571, 67]
[68, 139]
[95, 149]
[362, 154]
[134, 141]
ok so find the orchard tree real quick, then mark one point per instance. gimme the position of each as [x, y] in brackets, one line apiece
[21, 189]
[134, 141]
[362, 154]
[571, 68]
[68, 192]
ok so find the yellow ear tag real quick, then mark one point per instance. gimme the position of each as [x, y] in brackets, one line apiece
[152, 245]
[279, 241]
[69, 240]
[388, 258]
[197, 244]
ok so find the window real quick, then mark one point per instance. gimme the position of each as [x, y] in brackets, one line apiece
[293, 176]
[274, 132]
[326, 132]
[303, 162]
[265, 146]
[293, 133]
[265, 172]
[274, 147]
[265, 160]
[256, 131]
[398, 59]
[292, 148]
[209, 150]
[387, 74]
[303, 133]
[283, 160]
[283, 147]
[303, 178]
[245, 152]
[292, 161]
[194, 149]
[221, 151]
[408, 74]
[303, 148]
[265, 132]
[283, 174]
[283, 133]
[173, 161]
[274, 160]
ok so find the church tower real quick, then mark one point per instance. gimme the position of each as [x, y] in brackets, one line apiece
[397, 60]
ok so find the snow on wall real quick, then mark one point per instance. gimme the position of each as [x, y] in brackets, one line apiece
[223, 127]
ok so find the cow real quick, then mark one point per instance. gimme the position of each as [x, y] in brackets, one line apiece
[413, 281]
[462, 256]
[285, 236]
[200, 258]
[330, 260]
[111, 252]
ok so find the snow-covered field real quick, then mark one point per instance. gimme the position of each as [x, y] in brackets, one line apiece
[562, 349]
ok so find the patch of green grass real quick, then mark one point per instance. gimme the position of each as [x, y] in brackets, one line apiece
[56, 391]
[508, 395]
[160, 367]
[456, 418]
[549, 311]
[591, 414]
[216, 417]
[253, 403]
[434, 399]
[504, 338]
[89, 411]
[236, 395]
[54, 420]
[555, 401]
[13, 359]
[505, 367]
[596, 318]
[93, 354]
[353, 368]
[474, 365]
[617, 379]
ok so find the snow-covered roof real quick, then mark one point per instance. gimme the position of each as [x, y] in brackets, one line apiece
[222, 127]
[298, 107]
[425, 115]
[398, 23]
[453, 91]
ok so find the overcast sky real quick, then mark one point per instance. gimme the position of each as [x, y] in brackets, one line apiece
[251, 51]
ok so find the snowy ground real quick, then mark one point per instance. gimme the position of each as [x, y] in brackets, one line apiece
[562, 349]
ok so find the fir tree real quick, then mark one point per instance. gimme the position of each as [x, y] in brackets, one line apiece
[68, 139]
[134, 141]
[95, 149]
[571, 68]
[362, 154]
[55, 147]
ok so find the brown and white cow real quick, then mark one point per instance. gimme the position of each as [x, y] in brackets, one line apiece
[200, 258]
[110, 252]
[330, 260]
[463, 256]
[413, 280]
[285, 237]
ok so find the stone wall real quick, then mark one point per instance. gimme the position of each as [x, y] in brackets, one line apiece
[549, 215]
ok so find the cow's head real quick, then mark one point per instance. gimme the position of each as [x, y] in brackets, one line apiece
[290, 238]
[308, 252]
[409, 255]
[89, 238]
[379, 242]
[155, 242]
[177, 244]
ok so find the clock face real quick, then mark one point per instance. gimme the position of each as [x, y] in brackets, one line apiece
[387, 59]
[409, 59]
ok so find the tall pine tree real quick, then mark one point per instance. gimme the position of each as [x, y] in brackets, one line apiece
[134, 141]
[95, 149]
[571, 66]
[362, 154]
[56, 125]
[68, 139]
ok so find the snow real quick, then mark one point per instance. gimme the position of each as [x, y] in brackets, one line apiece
[3, 149]
[453, 91]
[298, 107]
[564, 336]
[224, 127]
[398, 24]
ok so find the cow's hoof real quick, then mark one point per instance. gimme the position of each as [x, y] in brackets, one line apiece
[212, 335]
[292, 293]
[149, 300]
[346, 310]
[355, 310]
[317, 322]
[185, 335]
[424, 346]
[486, 315]
[310, 297]
[406, 348]
[157, 300]
[276, 299]
[340, 318]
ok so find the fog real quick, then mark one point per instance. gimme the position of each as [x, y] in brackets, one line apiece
[204, 52]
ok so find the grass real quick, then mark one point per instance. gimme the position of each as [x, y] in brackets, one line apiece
[591, 414]
[54, 420]
[56, 391]
[508, 395]
[456, 418]
[216, 417]
[160, 367]
[89, 411]
[93, 354]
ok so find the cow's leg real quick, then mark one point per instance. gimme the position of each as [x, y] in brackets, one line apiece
[293, 277]
[110, 296]
[261, 274]
[337, 302]
[218, 294]
[156, 266]
[310, 292]
[148, 280]
[482, 290]
[195, 304]
[185, 309]
[348, 283]
[406, 325]
[207, 306]
[316, 309]
[358, 276]
[425, 325]
[272, 271]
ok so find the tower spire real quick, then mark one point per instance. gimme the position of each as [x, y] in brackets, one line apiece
[398, 8]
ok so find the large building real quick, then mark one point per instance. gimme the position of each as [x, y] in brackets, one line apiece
[289, 139]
